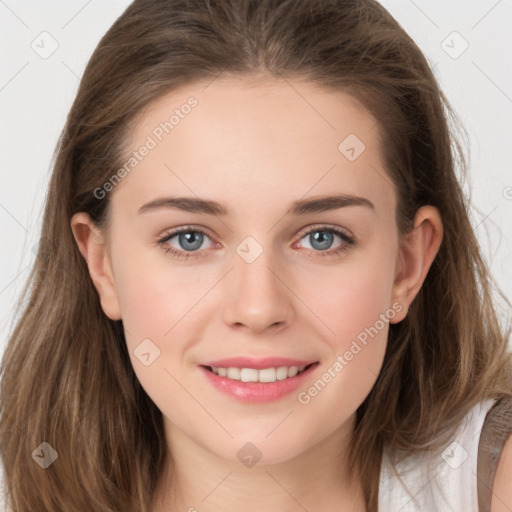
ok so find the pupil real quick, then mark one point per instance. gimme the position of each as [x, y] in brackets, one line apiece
[191, 240]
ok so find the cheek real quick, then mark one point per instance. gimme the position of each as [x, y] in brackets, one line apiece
[356, 308]
[155, 297]
[157, 303]
[354, 297]
[145, 305]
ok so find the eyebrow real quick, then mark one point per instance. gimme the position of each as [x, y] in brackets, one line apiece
[300, 207]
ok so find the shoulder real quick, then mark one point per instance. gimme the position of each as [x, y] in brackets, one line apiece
[444, 478]
[482, 445]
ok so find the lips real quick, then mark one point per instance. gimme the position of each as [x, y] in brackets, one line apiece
[258, 392]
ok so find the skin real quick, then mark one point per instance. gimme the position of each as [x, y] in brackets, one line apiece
[256, 147]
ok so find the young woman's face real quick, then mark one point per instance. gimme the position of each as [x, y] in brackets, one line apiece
[273, 272]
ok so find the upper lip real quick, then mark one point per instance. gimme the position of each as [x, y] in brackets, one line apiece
[258, 364]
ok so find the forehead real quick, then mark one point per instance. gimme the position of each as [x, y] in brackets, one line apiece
[241, 140]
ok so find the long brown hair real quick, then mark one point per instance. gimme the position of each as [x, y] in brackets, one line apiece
[66, 375]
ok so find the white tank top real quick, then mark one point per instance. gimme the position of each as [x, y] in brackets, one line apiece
[445, 481]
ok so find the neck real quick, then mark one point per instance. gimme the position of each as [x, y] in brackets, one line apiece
[315, 480]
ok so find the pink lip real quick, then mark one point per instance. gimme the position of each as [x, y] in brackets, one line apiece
[258, 364]
[257, 392]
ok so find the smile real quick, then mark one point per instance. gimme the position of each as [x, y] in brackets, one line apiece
[251, 385]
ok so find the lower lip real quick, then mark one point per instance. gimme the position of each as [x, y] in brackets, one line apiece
[257, 392]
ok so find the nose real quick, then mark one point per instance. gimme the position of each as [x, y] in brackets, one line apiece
[258, 298]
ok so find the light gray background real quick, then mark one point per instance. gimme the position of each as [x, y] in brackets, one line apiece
[36, 93]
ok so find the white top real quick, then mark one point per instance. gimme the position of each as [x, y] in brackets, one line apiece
[444, 481]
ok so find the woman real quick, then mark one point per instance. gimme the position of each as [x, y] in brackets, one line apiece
[257, 283]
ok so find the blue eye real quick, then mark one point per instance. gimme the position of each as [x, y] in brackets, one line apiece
[187, 241]
[190, 240]
[322, 239]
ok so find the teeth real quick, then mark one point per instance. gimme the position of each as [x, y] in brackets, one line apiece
[254, 375]
[233, 373]
[282, 373]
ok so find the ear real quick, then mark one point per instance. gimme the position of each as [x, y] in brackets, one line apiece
[417, 251]
[91, 243]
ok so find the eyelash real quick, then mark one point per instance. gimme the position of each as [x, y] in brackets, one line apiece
[349, 241]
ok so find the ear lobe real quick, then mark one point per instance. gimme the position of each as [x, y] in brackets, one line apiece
[415, 256]
[91, 244]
